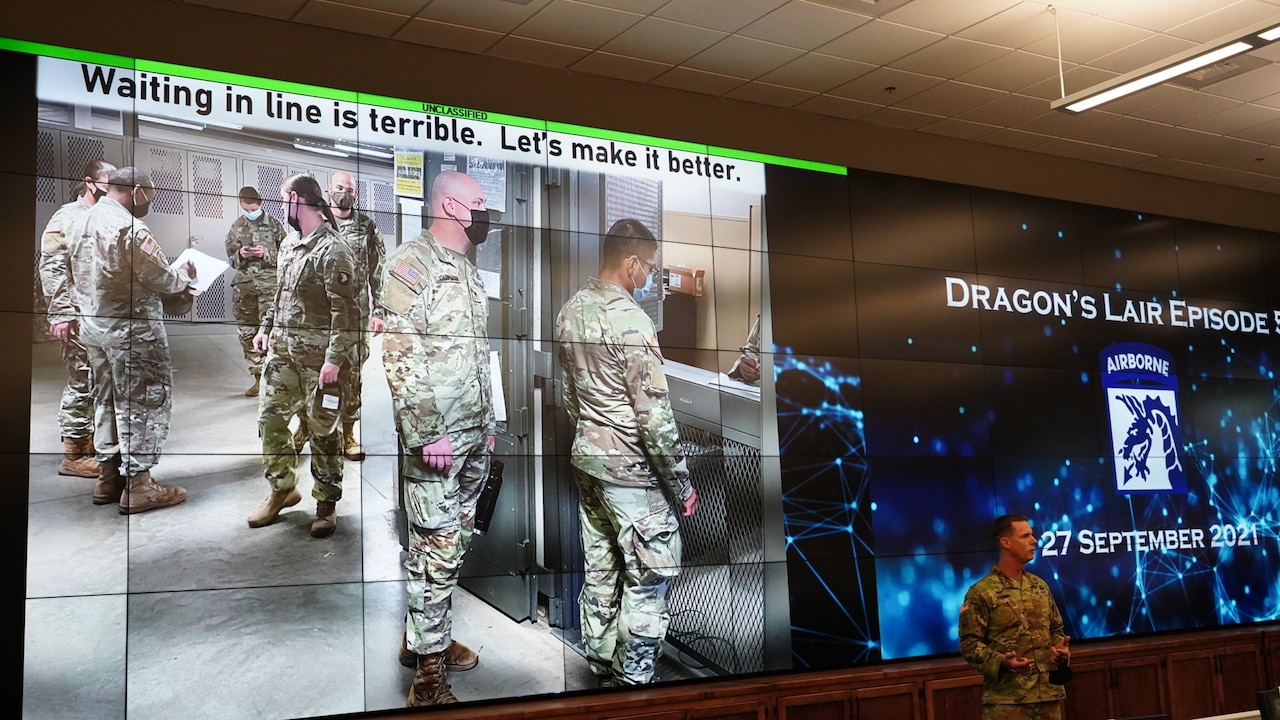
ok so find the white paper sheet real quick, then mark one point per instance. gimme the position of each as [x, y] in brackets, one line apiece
[208, 267]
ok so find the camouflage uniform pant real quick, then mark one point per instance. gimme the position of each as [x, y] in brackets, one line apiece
[350, 375]
[631, 547]
[442, 514]
[249, 302]
[132, 397]
[288, 389]
[75, 415]
[1051, 710]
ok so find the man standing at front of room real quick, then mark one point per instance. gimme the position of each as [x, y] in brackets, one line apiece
[626, 458]
[1011, 631]
[436, 358]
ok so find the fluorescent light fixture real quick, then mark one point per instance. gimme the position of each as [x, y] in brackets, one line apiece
[364, 151]
[170, 123]
[1176, 66]
[321, 150]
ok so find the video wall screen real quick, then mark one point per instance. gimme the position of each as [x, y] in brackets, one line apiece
[864, 370]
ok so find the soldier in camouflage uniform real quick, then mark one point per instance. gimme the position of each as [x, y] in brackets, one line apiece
[629, 469]
[307, 334]
[747, 367]
[252, 245]
[75, 415]
[122, 285]
[436, 357]
[1011, 631]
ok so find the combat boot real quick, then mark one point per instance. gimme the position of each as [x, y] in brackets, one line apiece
[457, 657]
[300, 436]
[350, 445]
[145, 494]
[77, 458]
[271, 507]
[110, 484]
[326, 519]
[253, 389]
[431, 682]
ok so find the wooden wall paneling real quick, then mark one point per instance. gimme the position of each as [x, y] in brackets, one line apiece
[661, 715]
[1192, 684]
[1240, 677]
[1089, 692]
[888, 702]
[835, 705]
[1137, 686]
[957, 698]
[739, 711]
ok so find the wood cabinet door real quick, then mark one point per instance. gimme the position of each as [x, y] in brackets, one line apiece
[1192, 684]
[887, 702]
[815, 706]
[1137, 687]
[954, 698]
[1240, 674]
[1089, 692]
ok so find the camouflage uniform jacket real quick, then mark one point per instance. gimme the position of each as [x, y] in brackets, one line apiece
[435, 351]
[265, 231]
[313, 319]
[53, 262]
[616, 392]
[122, 283]
[368, 249]
[1000, 614]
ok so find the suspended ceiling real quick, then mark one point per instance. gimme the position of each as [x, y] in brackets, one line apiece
[981, 70]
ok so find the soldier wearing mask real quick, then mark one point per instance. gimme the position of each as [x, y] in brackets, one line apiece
[121, 286]
[307, 334]
[75, 414]
[436, 358]
[252, 245]
[630, 472]
[367, 250]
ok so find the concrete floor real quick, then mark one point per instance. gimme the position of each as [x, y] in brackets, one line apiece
[186, 612]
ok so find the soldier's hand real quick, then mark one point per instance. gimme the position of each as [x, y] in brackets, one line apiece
[261, 342]
[1019, 665]
[61, 330]
[749, 368]
[246, 251]
[190, 269]
[328, 374]
[439, 454]
[690, 505]
[259, 251]
[1060, 652]
[376, 326]
[492, 442]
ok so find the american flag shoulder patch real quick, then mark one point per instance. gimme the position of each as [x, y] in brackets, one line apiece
[150, 246]
[53, 228]
[406, 273]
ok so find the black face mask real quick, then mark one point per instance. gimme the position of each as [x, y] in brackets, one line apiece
[478, 231]
[98, 193]
[291, 211]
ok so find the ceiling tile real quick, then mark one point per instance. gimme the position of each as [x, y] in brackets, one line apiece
[947, 16]
[875, 8]
[1251, 86]
[1015, 139]
[399, 7]
[1217, 149]
[1013, 71]
[963, 129]
[346, 17]
[879, 42]
[1160, 16]
[1235, 16]
[1142, 53]
[725, 15]
[1061, 124]
[743, 57]
[1254, 157]
[1118, 131]
[1067, 148]
[949, 99]
[495, 15]
[1170, 142]
[639, 6]
[950, 57]
[698, 81]
[663, 41]
[1268, 132]
[817, 72]
[1115, 156]
[1021, 25]
[1007, 110]
[279, 9]
[764, 93]
[803, 25]
[1090, 7]
[1238, 117]
[838, 107]
[1088, 40]
[873, 87]
[537, 51]
[895, 117]
[444, 35]
[1185, 108]
[621, 66]
[1076, 79]
[573, 23]
[1271, 101]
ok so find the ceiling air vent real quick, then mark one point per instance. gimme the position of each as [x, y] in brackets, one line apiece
[1219, 71]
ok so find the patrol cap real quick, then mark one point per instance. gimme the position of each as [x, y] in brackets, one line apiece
[249, 193]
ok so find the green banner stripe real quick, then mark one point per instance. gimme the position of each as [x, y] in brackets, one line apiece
[779, 160]
[626, 137]
[34, 48]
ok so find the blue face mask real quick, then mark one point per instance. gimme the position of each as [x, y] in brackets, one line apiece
[252, 215]
[640, 293]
